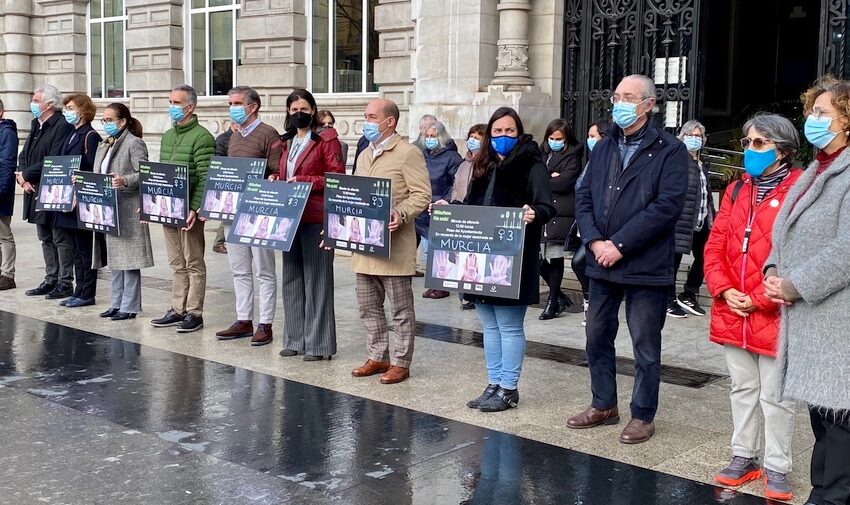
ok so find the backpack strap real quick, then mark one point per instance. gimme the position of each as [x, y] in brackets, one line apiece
[737, 189]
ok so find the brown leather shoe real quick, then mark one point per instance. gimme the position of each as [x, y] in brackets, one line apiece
[6, 283]
[220, 248]
[439, 294]
[239, 329]
[593, 417]
[263, 335]
[637, 432]
[395, 375]
[371, 367]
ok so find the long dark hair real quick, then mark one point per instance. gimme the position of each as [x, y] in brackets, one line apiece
[123, 112]
[299, 94]
[560, 125]
[488, 158]
[602, 126]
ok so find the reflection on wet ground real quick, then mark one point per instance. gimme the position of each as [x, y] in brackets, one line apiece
[274, 440]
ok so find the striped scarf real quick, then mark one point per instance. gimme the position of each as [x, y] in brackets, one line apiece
[767, 183]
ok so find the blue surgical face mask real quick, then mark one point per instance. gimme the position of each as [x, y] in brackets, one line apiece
[238, 114]
[35, 109]
[503, 144]
[473, 144]
[591, 142]
[372, 131]
[755, 163]
[71, 117]
[176, 113]
[111, 129]
[817, 131]
[625, 113]
[431, 143]
[556, 145]
[692, 142]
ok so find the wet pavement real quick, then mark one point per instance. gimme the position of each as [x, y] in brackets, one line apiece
[91, 419]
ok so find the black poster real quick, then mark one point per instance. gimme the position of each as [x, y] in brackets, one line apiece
[476, 250]
[226, 178]
[357, 213]
[164, 192]
[269, 214]
[97, 203]
[56, 189]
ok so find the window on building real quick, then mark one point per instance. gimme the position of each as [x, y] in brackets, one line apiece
[344, 46]
[107, 62]
[213, 53]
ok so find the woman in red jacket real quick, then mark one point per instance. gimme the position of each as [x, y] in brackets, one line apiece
[308, 281]
[743, 320]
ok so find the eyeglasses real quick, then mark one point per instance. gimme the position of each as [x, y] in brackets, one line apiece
[628, 99]
[104, 120]
[758, 144]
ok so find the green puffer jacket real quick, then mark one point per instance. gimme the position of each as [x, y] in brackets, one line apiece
[194, 145]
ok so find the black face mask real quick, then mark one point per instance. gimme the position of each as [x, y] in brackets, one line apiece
[301, 119]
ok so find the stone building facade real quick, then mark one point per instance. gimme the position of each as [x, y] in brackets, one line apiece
[456, 59]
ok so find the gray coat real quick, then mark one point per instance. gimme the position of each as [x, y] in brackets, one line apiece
[132, 250]
[811, 249]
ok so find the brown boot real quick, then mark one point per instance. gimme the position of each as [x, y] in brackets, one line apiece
[637, 432]
[263, 335]
[593, 417]
[239, 329]
[395, 375]
[371, 367]
[7, 283]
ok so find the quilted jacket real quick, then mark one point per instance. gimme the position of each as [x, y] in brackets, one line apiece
[194, 145]
[727, 266]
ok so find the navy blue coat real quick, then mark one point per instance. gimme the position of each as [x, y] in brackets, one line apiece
[442, 165]
[8, 155]
[636, 208]
[83, 142]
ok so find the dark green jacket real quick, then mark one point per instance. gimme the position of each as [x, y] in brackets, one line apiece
[194, 145]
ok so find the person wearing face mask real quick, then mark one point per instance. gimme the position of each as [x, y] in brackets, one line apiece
[79, 112]
[562, 154]
[442, 161]
[743, 320]
[48, 135]
[807, 275]
[390, 157]
[509, 172]
[308, 282]
[626, 206]
[187, 142]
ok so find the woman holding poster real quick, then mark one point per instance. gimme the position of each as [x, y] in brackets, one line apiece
[509, 172]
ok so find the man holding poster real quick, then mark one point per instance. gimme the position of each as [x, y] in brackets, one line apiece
[390, 157]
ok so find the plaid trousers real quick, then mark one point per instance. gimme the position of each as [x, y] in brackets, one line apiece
[371, 292]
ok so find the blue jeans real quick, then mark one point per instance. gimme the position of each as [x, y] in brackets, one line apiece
[504, 342]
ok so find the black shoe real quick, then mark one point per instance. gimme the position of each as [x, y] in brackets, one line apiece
[564, 303]
[66, 301]
[41, 290]
[58, 293]
[551, 310]
[310, 357]
[287, 353]
[502, 399]
[489, 391]
[171, 318]
[191, 323]
[123, 316]
[467, 306]
[673, 310]
[109, 312]
[689, 302]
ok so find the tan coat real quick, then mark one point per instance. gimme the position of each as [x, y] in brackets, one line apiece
[404, 164]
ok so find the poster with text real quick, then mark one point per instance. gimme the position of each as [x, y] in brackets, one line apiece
[97, 203]
[56, 189]
[476, 250]
[164, 193]
[269, 214]
[226, 178]
[357, 213]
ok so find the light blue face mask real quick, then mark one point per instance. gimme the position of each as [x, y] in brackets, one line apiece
[625, 113]
[176, 113]
[431, 143]
[473, 144]
[71, 117]
[591, 142]
[371, 131]
[556, 145]
[238, 114]
[35, 109]
[111, 129]
[692, 142]
[817, 131]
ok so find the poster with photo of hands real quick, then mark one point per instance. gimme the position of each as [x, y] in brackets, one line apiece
[56, 189]
[357, 213]
[164, 193]
[475, 250]
[269, 214]
[97, 203]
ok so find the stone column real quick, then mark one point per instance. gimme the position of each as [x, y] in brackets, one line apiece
[393, 73]
[512, 70]
[16, 48]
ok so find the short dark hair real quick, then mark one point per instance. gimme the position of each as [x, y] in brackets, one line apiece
[562, 126]
[479, 128]
[251, 95]
[85, 106]
[326, 113]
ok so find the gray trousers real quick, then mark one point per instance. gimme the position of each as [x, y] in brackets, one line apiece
[245, 263]
[127, 291]
[57, 247]
[308, 295]
[7, 247]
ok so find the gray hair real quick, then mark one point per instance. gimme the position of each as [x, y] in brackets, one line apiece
[690, 126]
[647, 85]
[50, 93]
[1, 105]
[430, 118]
[250, 94]
[777, 129]
[443, 136]
[193, 95]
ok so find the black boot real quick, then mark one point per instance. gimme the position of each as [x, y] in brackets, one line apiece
[488, 392]
[564, 302]
[551, 310]
[504, 399]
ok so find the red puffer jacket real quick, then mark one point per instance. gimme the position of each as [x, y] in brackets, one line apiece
[322, 154]
[728, 266]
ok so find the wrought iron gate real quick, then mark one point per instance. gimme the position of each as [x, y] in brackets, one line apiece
[833, 53]
[605, 40]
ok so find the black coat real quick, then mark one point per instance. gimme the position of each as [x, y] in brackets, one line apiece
[688, 218]
[47, 140]
[521, 179]
[635, 208]
[83, 142]
[8, 153]
[442, 165]
[567, 163]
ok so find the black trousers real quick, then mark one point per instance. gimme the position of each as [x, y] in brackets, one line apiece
[696, 276]
[830, 458]
[86, 277]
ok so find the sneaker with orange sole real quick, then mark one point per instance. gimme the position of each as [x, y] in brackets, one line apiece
[778, 487]
[740, 471]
